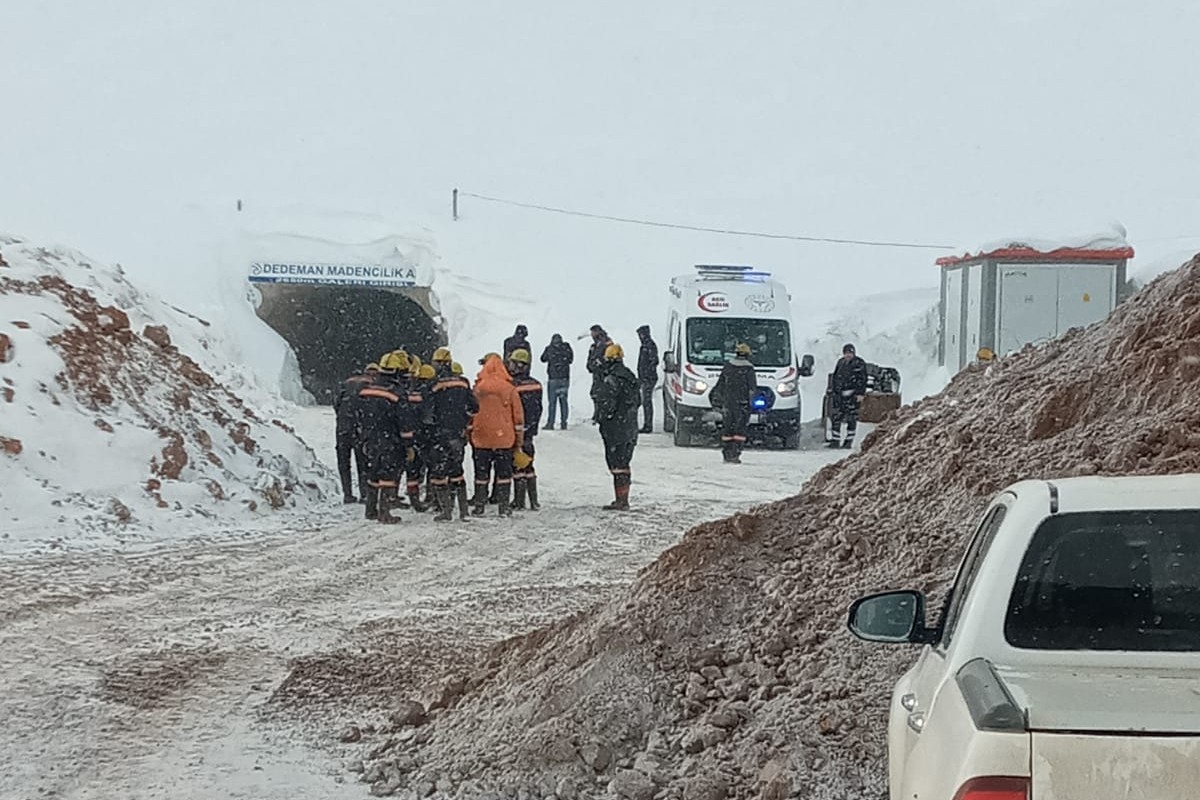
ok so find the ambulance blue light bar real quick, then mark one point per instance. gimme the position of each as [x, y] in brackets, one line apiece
[731, 272]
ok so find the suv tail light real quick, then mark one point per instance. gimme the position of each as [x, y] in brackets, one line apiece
[994, 788]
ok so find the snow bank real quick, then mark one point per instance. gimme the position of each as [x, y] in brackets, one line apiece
[1110, 237]
[114, 426]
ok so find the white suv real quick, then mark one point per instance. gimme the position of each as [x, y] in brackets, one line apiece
[1066, 661]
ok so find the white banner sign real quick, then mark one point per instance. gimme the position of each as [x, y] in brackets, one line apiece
[380, 275]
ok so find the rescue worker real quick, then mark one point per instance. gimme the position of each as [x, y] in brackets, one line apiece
[454, 405]
[530, 390]
[848, 384]
[497, 429]
[558, 357]
[385, 420]
[733, 392]
[616, 396]
[595, 361]
[518, 341]
[647, 373]
[348, 437]
[425, 433]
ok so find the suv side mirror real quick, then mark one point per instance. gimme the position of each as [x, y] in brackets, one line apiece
[890, 617]
[806, 366]
[669, 363]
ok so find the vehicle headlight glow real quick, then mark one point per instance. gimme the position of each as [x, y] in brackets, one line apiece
[693, 386]
[787, 388]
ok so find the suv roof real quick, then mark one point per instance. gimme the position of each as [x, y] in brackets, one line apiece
[1094, 493]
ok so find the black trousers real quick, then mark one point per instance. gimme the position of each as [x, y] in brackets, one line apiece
[348, 447]
[446, 462]
[487, 460]
[619, 456]
[528, 449]
[735, 422]
[844, 408]
[648, 402]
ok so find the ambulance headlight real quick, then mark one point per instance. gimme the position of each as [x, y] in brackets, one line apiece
[693, 386]
[787, 388]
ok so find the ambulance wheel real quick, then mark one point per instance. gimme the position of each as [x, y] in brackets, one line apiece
[792, 441]
[682, 437]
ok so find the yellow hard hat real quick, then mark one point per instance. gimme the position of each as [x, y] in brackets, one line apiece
[442, 355]
[521, 459]
[456, 368]
[414, 365]
[426, 372]
[373, 367]
[985, 354]
[395, 361]
[613, 353]
[742, 349]
[520, 356]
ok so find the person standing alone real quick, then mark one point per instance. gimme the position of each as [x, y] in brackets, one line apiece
[847, 385]
[733, 392]
[558, 357]
[616, 396]
[349, 432]
[595, 362]
[647, 376]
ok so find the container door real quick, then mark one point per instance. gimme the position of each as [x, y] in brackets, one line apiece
[1085, 294]
[954, 320]
[1028, 299]
[974, 306]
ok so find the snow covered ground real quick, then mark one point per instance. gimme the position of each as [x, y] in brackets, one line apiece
[143, 674]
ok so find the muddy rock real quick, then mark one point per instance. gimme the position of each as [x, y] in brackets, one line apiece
[631, 785]
[157, 334]
[596, 755]
[350, 735]
[6, 348]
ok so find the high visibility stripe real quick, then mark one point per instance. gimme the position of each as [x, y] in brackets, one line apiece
[382, 484]
[457, 383]
[372, 391]
[733, 438]
[502, 481]
[416, 398]
[441, 482]
[414, 485]
[529, 387]
[620, 471]
[406, 435]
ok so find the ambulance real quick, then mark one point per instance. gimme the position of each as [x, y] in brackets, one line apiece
[711, 312]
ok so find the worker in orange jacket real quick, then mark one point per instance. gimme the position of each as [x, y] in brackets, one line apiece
[498, 428]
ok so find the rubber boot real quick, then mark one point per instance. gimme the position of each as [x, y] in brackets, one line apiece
[372, 502]
[621, 499]
[387, 501]
[846, 445]
[518, 493]
[480, 501]
[441, 496]
[433, 498]
[531, 488]
[502, 492]
[461, 492]
[414, 499]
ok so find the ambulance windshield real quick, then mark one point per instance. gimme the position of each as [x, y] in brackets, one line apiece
[710, 341]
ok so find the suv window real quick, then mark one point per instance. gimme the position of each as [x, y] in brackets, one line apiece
[1111, 580]
[976, 551]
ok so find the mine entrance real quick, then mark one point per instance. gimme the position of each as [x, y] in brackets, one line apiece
[336, 330]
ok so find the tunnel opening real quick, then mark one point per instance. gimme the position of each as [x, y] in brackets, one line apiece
[335, 331]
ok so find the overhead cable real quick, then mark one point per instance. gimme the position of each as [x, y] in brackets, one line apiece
[701, 228]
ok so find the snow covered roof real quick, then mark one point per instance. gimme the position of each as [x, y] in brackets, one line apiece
[1107, 245]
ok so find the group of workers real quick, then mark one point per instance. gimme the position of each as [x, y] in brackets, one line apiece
[407, 425]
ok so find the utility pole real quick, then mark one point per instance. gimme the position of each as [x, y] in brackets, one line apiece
[454, 205]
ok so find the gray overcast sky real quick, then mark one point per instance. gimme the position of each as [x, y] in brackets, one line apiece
[931, 121]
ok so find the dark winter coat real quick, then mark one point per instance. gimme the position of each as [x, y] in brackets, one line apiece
[595, 359]
[530, 390]
[648, 361]
[453, 405]
[515, 343]
[736, 385]
[850, 376]
[345, 403]
[558, 357]
[617, 398]
[387, 426]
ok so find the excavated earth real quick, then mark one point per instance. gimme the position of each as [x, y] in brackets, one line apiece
[725, 670]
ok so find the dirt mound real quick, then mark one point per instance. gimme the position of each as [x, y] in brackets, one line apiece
[119, 428]
[726, 669]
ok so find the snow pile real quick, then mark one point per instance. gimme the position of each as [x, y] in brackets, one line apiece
[1110, 237]
[113, 424]
[726, 669]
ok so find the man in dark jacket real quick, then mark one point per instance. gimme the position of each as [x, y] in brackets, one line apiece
[647, 373]
[733, 392]
[595, 361]
[557, 357]
[349, 438]
[847, 387]
[616, 395]
[453, 405]
[387, 430]
[529, 389]
[518, 341]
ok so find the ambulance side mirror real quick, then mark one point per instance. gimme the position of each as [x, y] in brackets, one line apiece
[806, 366]
[669, 364]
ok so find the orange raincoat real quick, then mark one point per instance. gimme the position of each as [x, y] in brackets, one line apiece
[500, 421]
